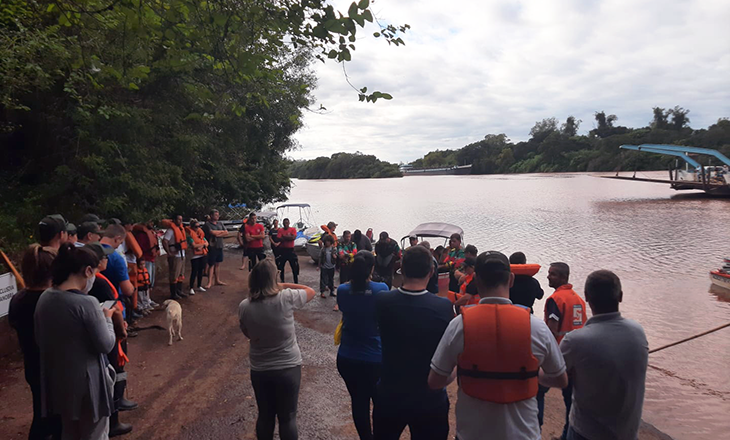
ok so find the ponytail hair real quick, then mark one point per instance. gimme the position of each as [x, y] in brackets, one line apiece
[36, 265]
[72, 260]
[362, 267]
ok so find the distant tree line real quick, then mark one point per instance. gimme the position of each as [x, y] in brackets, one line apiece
[555, 147]
[343, 166]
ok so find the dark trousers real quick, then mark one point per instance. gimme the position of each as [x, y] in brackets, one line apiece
[42, 427]
[288, 255]
[254, 256]
[572, 435]
[196, 272]
[345, 273]
[361, 379]
[388, 424]
[277, 395]
[326, 279]
[567, 399]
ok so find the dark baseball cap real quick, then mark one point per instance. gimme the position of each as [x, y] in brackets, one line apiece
[71, 228]
[492, 262]
[85, 228]
[92, 218]
[100, 251]
[50, 226]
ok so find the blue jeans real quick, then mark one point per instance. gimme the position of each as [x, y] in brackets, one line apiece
[567, 399]
[572, 435]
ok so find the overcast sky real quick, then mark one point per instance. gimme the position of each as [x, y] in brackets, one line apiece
[477, 67]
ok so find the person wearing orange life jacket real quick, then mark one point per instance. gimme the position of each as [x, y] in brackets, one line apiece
[565, 311]
[526, 288]
[147, 239]
[144, 287]
[131, 250]
[500, 353]
[175, 243]
[329, 229]
[199, 247]
[103, 290]
[466, 295]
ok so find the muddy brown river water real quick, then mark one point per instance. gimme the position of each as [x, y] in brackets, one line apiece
[661, 243]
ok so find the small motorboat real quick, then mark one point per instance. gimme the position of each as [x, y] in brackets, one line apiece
[721, 277]
[435, 230]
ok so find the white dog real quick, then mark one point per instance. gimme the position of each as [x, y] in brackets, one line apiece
[174, 319]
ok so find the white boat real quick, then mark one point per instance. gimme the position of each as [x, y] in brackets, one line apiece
[721, 277]
[300, 216]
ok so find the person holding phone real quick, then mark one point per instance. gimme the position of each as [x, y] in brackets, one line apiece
[74, 335]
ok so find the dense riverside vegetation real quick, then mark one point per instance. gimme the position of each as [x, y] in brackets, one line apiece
[343, 166]
[555, 147]
[142, 108]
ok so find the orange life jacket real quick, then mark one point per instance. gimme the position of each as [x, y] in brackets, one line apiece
[466, 282]
[198, 237]
[525, 269]
[132, 245]
[497, 364]
[330, 233]
[572, 310]
[454, 296]
[180, 240]
[143, 278]
[151, 238]
[123, 359]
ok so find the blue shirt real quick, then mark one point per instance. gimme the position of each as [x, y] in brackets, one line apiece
[360, 335]
[116, 271]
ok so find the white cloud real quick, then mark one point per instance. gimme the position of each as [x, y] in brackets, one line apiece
[481, 67]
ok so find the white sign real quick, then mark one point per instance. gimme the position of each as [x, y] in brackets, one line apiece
[8, 288]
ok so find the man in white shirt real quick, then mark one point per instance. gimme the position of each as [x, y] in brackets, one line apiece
[502, 352]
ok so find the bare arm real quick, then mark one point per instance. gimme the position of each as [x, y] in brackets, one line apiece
[166, 246]
[554, 327]
[437, 381]
[464, 299]
[553, 382]
[309, 290]
[126, 287]
[218, 233]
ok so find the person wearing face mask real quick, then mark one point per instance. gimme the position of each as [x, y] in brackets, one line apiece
[103, 290]
[74, 334]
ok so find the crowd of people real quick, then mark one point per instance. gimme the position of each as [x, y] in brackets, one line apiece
[400, 348]
[86, 288]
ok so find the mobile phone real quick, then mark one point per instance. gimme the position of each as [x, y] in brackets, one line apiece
[108, 304]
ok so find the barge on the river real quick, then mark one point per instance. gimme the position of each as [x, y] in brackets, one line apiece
[714, 180]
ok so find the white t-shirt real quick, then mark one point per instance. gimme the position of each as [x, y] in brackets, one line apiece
[128, 255]
[478, 419]
[269, 324]
[170, 237]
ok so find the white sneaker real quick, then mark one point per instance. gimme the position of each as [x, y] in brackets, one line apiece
[202, 289]
[153, 304]
[192, 291]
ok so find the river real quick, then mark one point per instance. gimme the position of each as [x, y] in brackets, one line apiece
[661, 243]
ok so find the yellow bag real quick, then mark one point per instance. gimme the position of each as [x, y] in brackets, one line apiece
[338, 333]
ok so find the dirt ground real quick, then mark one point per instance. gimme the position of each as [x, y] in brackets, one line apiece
[200, 387]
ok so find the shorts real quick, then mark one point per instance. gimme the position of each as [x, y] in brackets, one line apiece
[215, 255]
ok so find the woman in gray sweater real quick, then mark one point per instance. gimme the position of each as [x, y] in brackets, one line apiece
[74, 335]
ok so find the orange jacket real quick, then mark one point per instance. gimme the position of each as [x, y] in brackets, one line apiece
[123, 359]
[572, 310]
[497, 364]
[330, 233]
[198, 237]
[180, 240]
[132, 245]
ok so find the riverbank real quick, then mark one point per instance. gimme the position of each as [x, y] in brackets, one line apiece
[200, 387]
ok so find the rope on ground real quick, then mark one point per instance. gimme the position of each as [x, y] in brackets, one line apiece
[690, 338]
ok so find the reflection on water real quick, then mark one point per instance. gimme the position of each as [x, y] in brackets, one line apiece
[662, 244]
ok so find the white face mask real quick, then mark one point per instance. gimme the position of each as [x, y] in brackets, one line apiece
[89, 284]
